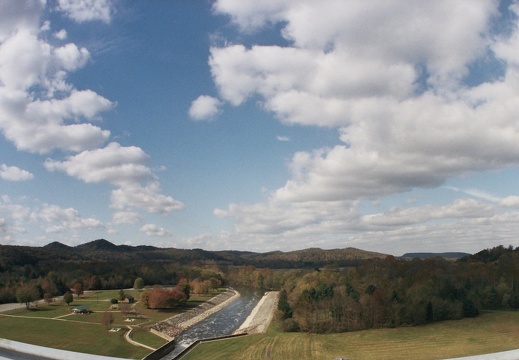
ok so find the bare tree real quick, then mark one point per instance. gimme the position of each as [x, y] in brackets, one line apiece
[107, 319]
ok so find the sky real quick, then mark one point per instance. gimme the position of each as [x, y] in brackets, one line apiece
[384, 125]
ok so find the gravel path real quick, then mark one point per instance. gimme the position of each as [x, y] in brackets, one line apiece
[260, 317]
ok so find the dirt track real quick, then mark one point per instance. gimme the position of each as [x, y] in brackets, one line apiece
[259, 319]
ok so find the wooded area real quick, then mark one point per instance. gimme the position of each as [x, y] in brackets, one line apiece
[391, 292]
[381, 291]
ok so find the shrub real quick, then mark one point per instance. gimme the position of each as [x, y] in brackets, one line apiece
[68, 298]
[290, 325]
[138, 284]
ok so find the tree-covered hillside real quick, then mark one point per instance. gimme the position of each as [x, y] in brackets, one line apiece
[322, 290]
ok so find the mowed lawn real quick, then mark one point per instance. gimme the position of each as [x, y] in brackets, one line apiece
[53, 325]
[92, 338]
[490, 332]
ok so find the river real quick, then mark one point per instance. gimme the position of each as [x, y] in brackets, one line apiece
[222, 323]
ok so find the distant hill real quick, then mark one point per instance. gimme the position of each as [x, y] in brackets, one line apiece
[100, 244]
[57, 246]
[490, 255]
[312, 257]
[427, 255]
[104, 250]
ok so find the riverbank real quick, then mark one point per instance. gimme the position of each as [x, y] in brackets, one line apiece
[173, 326]
[260, 317]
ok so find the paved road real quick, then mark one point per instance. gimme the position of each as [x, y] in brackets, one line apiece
[505, 355]
[14, 350]
[9, 307]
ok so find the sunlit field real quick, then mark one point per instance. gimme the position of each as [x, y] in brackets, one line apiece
[54, 325]
[490, 332]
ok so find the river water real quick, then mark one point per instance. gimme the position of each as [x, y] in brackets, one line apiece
[222, 323]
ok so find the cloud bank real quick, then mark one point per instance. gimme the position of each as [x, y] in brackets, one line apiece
[42, 113]
[395, 80]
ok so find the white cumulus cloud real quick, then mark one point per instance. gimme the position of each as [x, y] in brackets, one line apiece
[14, 173]
[124, 167]
[61, 35]
[393, 83]
[204, 108]
[147, 197]
[355, 66]
[154, 230]
[41, 112]
[114, 163]
[511, 201]
[41, 121]
[87, 10]
[125, 218]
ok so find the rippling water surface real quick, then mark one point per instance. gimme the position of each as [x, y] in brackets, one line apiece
[222, 323]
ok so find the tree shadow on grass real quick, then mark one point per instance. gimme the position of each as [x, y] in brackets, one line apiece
[193, 304]
[38, 309]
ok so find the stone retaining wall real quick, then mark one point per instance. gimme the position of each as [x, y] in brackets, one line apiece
[173, 326]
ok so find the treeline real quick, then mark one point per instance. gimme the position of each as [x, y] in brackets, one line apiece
[389, 292]
[392, 292]
[379, 292]
[54, 278]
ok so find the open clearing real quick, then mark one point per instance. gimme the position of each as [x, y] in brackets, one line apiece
[53, 325]
[490, 332]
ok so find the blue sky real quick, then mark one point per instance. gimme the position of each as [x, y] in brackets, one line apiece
[390, 126]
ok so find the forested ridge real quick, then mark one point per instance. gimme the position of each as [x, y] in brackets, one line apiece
[321, 290]
[101, 264]
[392, 292]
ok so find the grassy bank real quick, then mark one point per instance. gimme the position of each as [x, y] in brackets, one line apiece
[490, 332]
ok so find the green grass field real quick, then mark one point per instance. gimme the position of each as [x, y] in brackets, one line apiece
[54, 325]
[145, 337]
[83, 337]
[490, 332]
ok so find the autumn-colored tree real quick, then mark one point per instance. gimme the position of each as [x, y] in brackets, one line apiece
[52, 284]
[160, 298]
[216, 282]
[78, 289]
[183, 285]
[145, 299]
[94, 283]
[48, 298]
[49, 287]
[201, 286]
